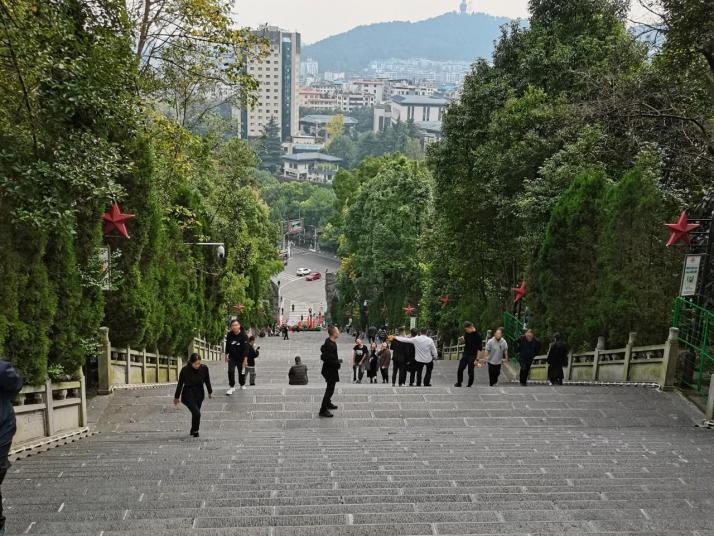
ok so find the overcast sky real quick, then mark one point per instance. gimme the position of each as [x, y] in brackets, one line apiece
[316, 19]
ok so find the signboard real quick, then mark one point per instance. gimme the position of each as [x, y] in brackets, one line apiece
[412, 322]
[690, 276]
[295, 226]
[105, 268]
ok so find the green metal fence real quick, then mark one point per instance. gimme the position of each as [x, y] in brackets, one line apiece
[696, 337]
[512, 331]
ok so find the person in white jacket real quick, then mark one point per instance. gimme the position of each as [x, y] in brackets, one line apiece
[424, 355]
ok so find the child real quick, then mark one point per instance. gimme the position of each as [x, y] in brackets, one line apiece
[253, 353]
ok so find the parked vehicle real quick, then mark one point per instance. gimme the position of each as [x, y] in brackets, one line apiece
[303, 271]
[314, 276]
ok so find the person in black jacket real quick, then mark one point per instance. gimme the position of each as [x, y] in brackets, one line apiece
[400, 353]
[473, 344]
[411, 363]
[253, 354]
[557, 359]
[297, 375]
[527, 347]
[330, 369]
[236, 353]
[189, 390]
[10, 385]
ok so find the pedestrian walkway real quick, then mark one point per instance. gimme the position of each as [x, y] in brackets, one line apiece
[393, 461]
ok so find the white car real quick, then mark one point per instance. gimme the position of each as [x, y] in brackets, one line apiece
[303, 271]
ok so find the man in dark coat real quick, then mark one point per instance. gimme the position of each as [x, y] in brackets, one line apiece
[473, 344]
[400, 354]
[10, 385]
[527, 347]
[330, 369]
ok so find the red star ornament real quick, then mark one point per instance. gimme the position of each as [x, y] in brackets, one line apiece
[409, 309]
[680, 230]
[115, 219]
[520, 292]
[444, 300]
[238, 308]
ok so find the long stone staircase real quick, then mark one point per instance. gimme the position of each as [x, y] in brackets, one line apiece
[394, 461]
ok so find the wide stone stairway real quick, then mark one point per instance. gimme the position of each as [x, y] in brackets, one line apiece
[394, 461]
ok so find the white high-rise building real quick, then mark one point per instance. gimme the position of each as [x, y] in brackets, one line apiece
[278, 77]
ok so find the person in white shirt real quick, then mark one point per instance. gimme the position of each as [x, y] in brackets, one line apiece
[424, 355]
[496, 354]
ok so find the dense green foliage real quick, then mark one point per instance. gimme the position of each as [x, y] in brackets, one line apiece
[560, 162]
[76, 135]
[446, 37]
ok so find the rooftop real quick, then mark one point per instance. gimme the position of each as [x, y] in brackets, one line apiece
[418, 100]
[324, 119]
[431, 126]
[311, 157]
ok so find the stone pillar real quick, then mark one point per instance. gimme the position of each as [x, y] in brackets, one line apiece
[128, 365]
[104, 363]
[143, 366]
[628, 356]
[709, 413]
[596, 357]
[83, 398]
[668, 373]
[49, 409]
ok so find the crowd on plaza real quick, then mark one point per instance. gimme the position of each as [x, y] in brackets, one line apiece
[411, 358]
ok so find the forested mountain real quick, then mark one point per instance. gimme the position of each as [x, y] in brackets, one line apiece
[447, 37]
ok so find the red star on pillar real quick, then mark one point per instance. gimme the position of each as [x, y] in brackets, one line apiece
[520, 292]
[444, 300]
[680, 230]
[115, 219]
[238, 308]
[409, 309]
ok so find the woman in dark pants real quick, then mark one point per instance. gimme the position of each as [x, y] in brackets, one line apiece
[557, 359]
[190, 389]
[330, 369]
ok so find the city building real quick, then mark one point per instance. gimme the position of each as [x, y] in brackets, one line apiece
[312, 167]
[314, 125]
[318, 99]
[309, 67]
[402, 108]
[277, 95]
[347, 102]
[372, 87]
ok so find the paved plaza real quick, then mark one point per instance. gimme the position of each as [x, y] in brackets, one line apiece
[393, 461]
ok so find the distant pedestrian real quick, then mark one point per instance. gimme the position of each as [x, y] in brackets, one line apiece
[527, 347]
[253, 354]
[473, 343]
[371, 333]
[411, 356]
[360, 354]
[286, 332]
[557, 359]
[385, 357]
[400, 351]
[10, 385]
[297, 375]
[496, 354]
[382, 334]
[330, 369]
[236, 351]
[424, 355]
[372, 363]
[190, 392]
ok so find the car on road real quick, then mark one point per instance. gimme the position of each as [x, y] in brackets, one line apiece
[303, 271]
[314, 276]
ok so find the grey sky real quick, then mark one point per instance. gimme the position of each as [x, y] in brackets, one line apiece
[316, 19]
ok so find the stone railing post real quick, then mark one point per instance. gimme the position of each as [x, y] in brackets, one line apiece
[128, 365]
[628, 356]
[83, 398]
[143, 366]
[105, 363]
[668, 373]
[596, 357]
[49, 409]
[709, 413]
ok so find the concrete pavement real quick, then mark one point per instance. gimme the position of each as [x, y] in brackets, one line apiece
[428, 461]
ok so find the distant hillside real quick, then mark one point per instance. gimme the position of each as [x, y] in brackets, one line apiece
[447, 37]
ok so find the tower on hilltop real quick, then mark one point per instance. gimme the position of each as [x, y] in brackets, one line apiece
[463, 7]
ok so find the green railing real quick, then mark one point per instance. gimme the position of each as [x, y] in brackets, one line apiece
[696, 336]
[512, 331]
